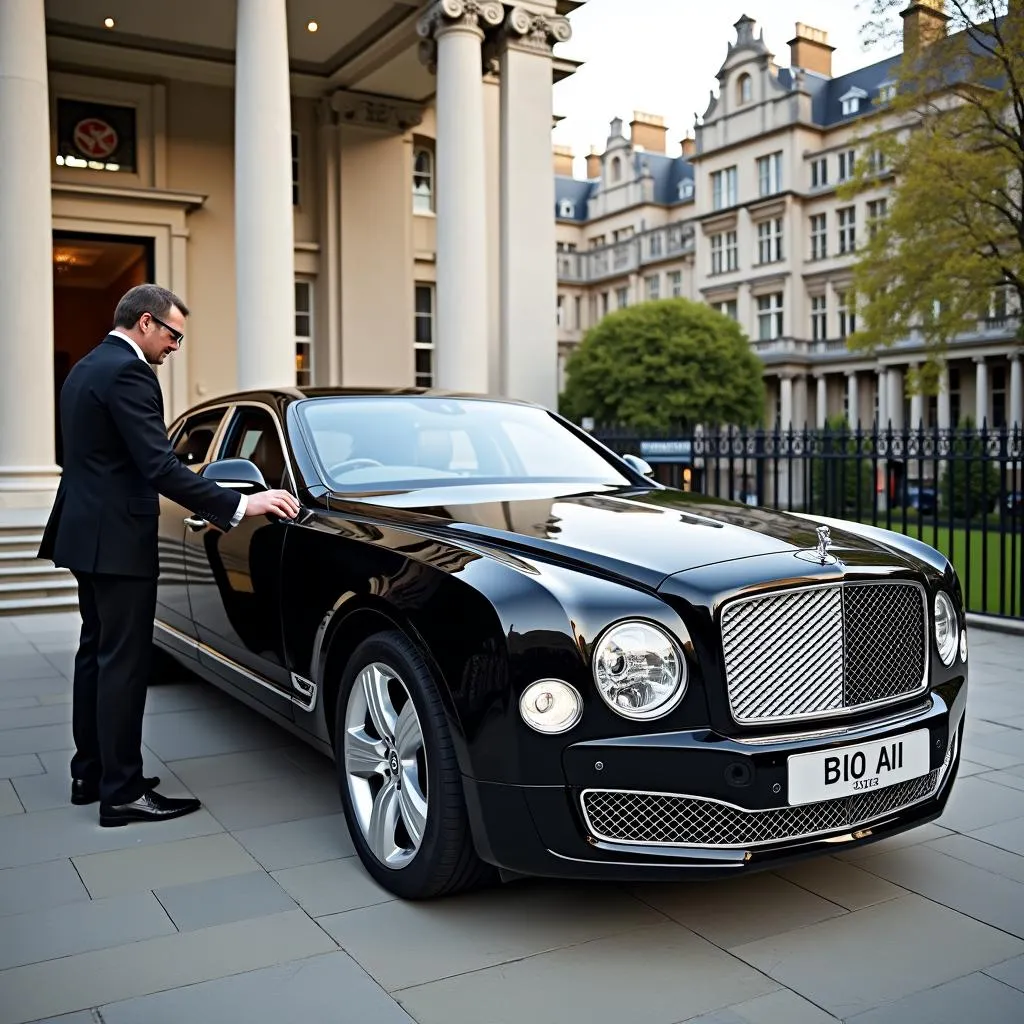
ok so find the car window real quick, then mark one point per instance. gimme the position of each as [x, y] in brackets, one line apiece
[192, 445]
[253, 436]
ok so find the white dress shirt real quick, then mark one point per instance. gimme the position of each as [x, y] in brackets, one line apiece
[242, 499]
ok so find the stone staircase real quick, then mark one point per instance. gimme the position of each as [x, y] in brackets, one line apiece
[28, 584]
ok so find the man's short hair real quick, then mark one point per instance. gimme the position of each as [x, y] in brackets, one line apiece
[146, 298]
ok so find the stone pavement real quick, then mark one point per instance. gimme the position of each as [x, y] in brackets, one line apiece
[255, 909]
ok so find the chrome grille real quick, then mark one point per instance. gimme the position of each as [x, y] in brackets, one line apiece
[665, 819]
[824, 650]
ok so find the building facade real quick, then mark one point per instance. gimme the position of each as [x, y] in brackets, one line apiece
[329, 187]
[747, 219]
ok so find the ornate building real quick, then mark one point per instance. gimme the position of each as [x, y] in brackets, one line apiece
[747, 219]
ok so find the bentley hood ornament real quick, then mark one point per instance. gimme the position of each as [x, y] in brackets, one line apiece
[824, 543]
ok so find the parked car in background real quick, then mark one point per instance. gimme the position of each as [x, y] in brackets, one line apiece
[528, 658]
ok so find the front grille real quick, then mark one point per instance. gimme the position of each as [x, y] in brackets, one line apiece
[825, 650]
[665, 819]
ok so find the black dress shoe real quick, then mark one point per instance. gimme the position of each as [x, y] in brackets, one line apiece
[83, 792]
[151, 806]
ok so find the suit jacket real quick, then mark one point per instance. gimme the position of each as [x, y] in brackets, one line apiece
[117, 460]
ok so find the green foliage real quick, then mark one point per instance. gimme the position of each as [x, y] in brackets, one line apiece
[837, 474]
[953, 136]
[664, 363]
[969, 484]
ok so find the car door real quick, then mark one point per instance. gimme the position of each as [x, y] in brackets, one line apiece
[234, 578]
[192, 438]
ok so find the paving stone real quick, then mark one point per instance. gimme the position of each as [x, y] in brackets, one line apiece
[899, 947]
[208, 731]
[1012, 777]
[27, 666]
[1007, 835]
[38, 886]
[35, 739]
[17, 765]
[9, 802]
[202, 774]
[782, 1007]
[405, 943]
[154, 965]
[331, 887]
[841, 883]
[52, 684]
[288, 798]
[1009, 972]
[994, 899]
[91, 1016]
[18, 718]
[976, 998]
[290, 844]
[14, 703]
[976, 803]
[43, 792]
[330, 987]
[661, 974]
[47, 622]
[991, 858]
[75, 831]
[165, 864]
[912, 837]
[221, 900]
[79, 927]
[183, 697]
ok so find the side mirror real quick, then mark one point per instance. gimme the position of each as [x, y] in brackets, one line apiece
[638, 465]
[238, 474]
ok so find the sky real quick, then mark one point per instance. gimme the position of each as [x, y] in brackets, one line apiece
[662, 57]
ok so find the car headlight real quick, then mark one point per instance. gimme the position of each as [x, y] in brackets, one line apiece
[947, 632]
[640, 670]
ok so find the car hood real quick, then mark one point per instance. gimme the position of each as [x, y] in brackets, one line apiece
[644, 535]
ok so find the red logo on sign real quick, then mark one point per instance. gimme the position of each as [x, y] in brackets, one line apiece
[95, 138]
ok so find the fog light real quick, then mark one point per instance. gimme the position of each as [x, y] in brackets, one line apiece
[550, 706]
[963, 646]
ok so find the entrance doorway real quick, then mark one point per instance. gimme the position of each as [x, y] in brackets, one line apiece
[90, 274]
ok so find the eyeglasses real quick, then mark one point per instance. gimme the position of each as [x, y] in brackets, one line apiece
[176, 336]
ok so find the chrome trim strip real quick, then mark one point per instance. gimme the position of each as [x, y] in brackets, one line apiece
[307, 702]
[844, 711]
[843, 730]
[854, 826]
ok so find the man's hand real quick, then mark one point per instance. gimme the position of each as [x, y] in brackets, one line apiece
[278, 503]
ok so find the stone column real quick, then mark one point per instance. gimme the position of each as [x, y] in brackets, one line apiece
[1016, 392]
[786, 410]
[980, 391]
[882, 388]
[28, 473]
[821, 401]
[852, 399]
[264, 226]
[895, 402]
[452, 33]
[916, 406]
[944, 409]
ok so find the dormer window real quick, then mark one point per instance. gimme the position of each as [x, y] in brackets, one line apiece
[851, 101]
[887, 92]
[745, 89]
[567, 209]
[686, 189]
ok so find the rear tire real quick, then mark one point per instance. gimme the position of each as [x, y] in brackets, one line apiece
[398, 777]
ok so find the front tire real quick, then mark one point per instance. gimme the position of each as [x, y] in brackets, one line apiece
[398, 777]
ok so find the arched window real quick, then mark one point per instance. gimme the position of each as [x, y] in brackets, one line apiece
[423, 181]
[616, 170]
[745, 89]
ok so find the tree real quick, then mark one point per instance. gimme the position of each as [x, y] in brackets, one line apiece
[970, 479]
[839, 470]
[953, 133]
[665, 363]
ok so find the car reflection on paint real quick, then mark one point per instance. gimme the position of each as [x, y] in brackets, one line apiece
[528, 658]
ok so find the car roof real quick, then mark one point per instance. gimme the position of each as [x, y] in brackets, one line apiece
[294, 394]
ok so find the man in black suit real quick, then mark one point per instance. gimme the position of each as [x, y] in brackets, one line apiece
[103, 527]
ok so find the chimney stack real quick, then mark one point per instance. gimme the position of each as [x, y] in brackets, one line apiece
[593, 164]
[689, 145]
[809, 50]
[647, 131]
[563, 161]
[924, 21]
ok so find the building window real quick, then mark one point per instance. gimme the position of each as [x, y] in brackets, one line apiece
[616, 170]
[954, 396]
[847, 160]
[560, 312]
[303, 333]
[567, 209]
[769, 241]
[675, 283]
[998, 396]
[732, 251]
[847, 229]
[295, 168]
[424, 336]
[423, 181]
[846, 316]
[655, 244]
[723, 188]
[578, 313]
[622, 297]
[887, 92]
[769, 174]
[878, 162]
[819, 321]
[95, 136]
[652, 287]
[716, 254]
[769, 316]
[605, 298]
[685, 189]
[727, 308]
[851, 100]
[819, 236]
[878, 210]
[745, 89]
[819, 172]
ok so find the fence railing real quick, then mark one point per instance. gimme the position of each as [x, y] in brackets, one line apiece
[961, 491]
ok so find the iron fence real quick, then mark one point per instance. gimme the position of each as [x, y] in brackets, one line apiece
[961, 491]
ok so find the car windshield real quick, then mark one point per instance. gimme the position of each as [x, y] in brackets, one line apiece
[403, 442]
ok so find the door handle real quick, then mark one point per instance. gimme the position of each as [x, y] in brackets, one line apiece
[194, 524]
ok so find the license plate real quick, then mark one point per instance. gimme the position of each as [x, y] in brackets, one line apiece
[858, 768]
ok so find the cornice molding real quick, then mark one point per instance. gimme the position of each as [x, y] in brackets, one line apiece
[382, 113]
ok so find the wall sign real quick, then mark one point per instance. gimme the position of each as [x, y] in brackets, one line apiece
[99, 136]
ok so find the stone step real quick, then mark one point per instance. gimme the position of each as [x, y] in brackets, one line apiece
[37, 605]
[13, 572]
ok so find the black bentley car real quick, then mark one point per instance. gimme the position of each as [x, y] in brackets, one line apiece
[526, 657]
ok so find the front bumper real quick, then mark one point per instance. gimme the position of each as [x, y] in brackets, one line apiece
[698, 805]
